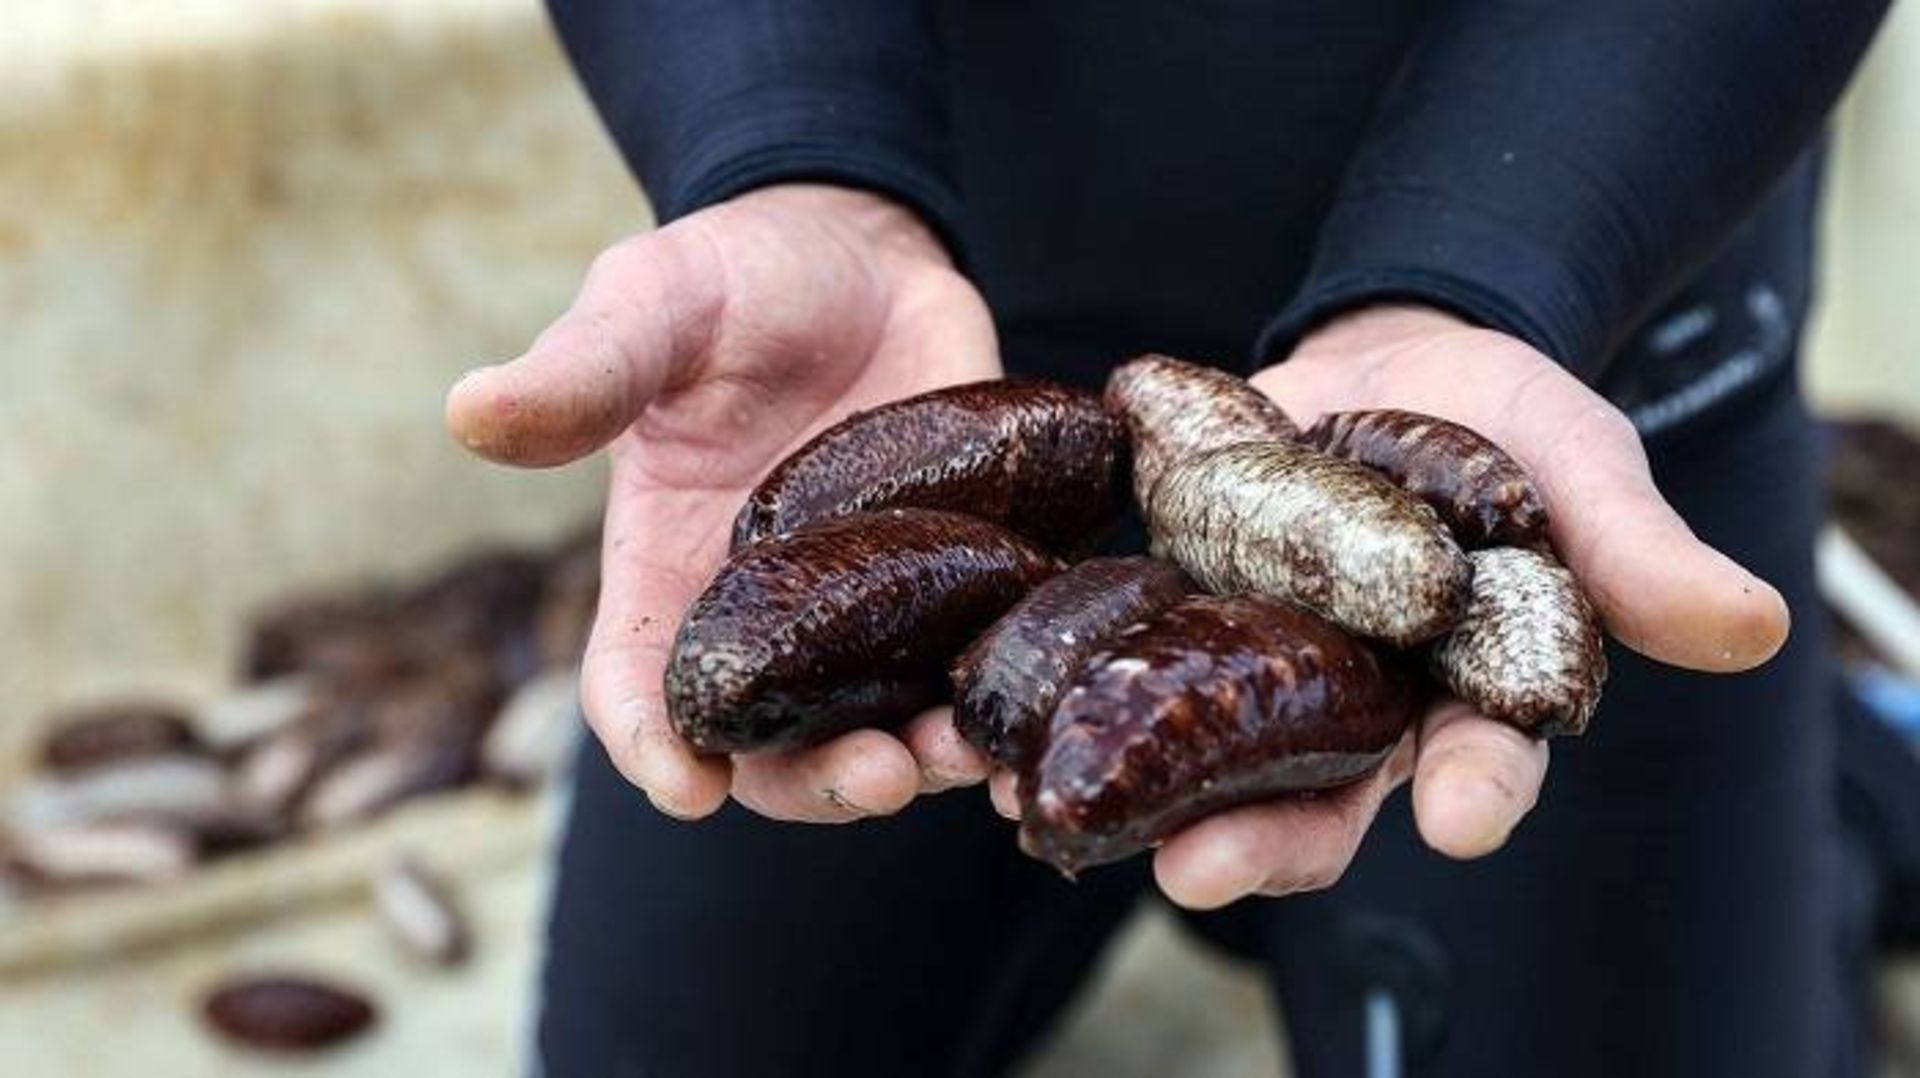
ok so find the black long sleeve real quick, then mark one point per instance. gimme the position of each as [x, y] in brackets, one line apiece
[1553, 168]
[709, 98]
[1144, 174]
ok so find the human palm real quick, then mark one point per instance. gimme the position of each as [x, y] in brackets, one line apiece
[1660, 591]
[700, 355]
[703, 353]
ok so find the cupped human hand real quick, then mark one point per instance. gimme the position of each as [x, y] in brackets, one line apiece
[1659, 589]
[699, 355]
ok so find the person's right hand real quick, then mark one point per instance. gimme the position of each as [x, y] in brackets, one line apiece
[703, 353]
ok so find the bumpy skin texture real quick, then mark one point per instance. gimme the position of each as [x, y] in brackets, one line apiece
[1040, 458]
[287, 1013]
[848, 623]
[1483, 494]
[1006, 684]
[1174, 409]
[1332, 535]
[1218, 701]
[1529, 652]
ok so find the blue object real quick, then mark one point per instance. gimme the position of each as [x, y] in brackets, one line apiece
[1892, 697]
[1383, 1035]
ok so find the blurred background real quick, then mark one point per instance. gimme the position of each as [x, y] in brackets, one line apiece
[245, 246]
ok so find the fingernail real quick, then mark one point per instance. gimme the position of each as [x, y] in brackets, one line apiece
[1275, 888]
[668, 810]
[1502, 787]
[1493, 827]
[1244, 873]
[1468, 812]
[1234, 885]
[1491, 838]
[1257, 882]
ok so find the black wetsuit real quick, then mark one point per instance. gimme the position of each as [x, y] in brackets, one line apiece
[1629, 185]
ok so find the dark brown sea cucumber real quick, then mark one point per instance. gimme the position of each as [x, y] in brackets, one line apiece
[1006, 684]
[849, 622]
[1218, 701]
[1042, 459]
[1481, 493]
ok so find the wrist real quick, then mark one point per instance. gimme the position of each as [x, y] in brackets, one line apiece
[1369, 329]
[1352, 349]
[876, 219]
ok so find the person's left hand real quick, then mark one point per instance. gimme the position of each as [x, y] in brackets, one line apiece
[1660, 591]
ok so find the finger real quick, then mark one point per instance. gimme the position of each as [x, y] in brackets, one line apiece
[1474, 781]
[643, 316]
[858, 774]
[1003, 786]
[620, 692]
[650, 577]
[1661, 591]
[1275, 847]
[946, 760]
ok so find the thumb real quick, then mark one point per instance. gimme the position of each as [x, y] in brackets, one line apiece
[1662, 591]
[645, 313]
